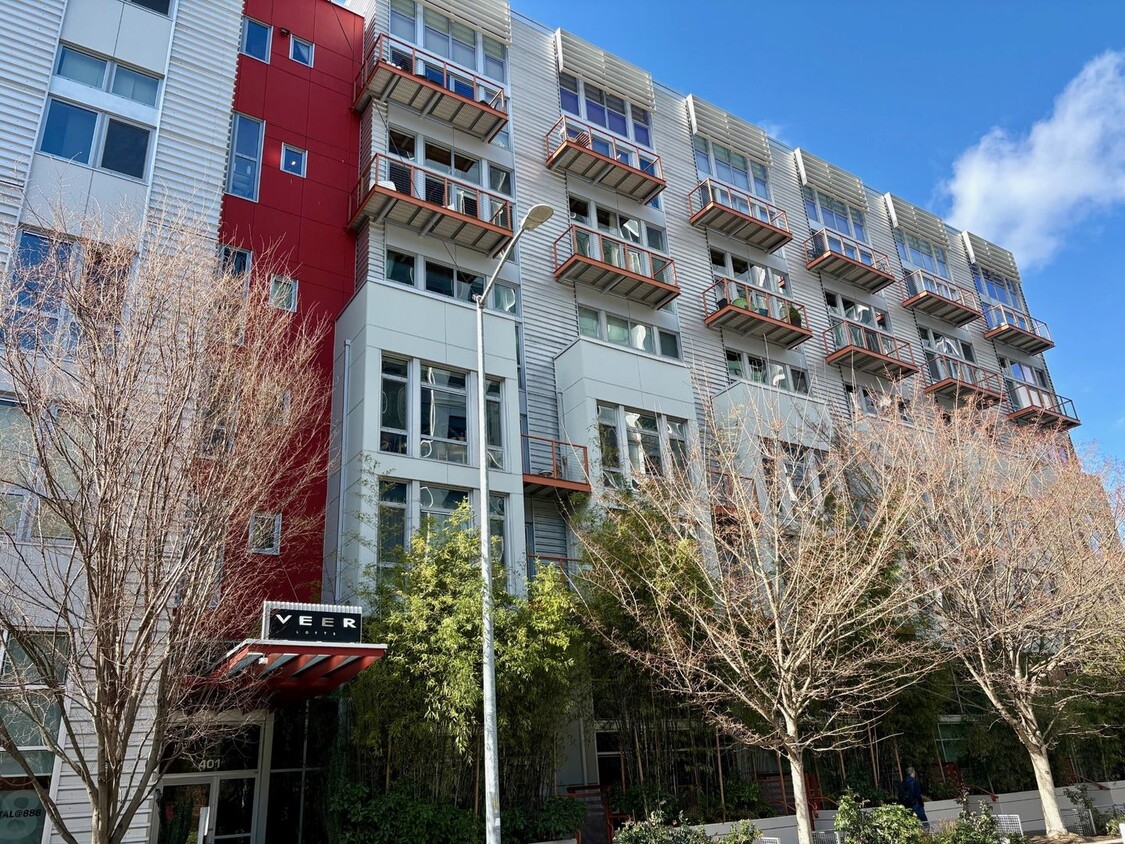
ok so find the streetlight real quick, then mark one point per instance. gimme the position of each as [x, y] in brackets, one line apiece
[537, 216]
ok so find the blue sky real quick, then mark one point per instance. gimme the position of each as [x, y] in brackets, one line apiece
[997, 114]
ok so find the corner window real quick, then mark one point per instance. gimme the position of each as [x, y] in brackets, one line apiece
[265, 533]
[256, 39]
[635, 444]
[293, 160]
[300, 51]
[283, 293]
[245, 163]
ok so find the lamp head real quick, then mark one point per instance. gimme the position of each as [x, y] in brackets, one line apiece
[537, 216]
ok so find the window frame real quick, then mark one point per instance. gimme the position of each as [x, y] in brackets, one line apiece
[304, 154]
[748, 361]
[296, 40]
[613, 419]
[909, 243]
[816, 204]
[755, 171]
[419, 281]
[141, 4]
[247, 21]
[98, 139]
[642, 237]
[292, 299]
[997, 289]
[630, 112]
[110, 68]
[880, 319]
[398, 20]
[275, 548]
[233, 154]
[657, 333]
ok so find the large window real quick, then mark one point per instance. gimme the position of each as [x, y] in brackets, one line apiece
[919, 253]
[716, 161]
[825, 210]
[728, 265]
[604, 109]
[944, 344]
[791, 475]
[449, 39]
[406, 507]
[1025, 373]
[245, 165]
[618, 225]
[759, 370]
[635, 444]
[39, 260]
[425, 413]
[855, 311]
[997, 288]
[95, 139]
[256, 39]
[436, 277]
[25, 517]
[106, 75]
[622, 331]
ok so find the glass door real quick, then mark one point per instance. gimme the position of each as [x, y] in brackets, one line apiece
[234, 810]
[184, 813]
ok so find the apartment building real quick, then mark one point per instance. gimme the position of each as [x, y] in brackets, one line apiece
[382, 155]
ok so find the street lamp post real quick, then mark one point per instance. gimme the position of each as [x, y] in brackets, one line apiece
[534, 218]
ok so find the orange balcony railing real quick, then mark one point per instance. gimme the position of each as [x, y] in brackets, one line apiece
[940, 297]
[591, 153]
[1029, 404]
[740, 215]
[955, 378]
[432, 203]
[1017, 329]
[615, 266]
[853, 345]
[847, 259]
[752, 311]
[552, 465]
[397, 71]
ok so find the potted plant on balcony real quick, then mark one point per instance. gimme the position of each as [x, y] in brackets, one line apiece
[795, 316]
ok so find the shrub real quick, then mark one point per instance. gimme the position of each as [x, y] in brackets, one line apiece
[654, 830]
[396, 816]
[973, 828]
[557, 817]
[742, 832]
[885, 825]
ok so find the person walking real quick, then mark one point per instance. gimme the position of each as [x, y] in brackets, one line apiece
[910, 796]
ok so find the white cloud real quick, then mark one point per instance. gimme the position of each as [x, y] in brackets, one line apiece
[1026, 192]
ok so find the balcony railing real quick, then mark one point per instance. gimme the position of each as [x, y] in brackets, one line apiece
[752, 311]
[555, 465]
[396, 71]
[615, 266]
[594, 154]
[1017, 329]
[1030, 404]
[432, 203]
[739, 215]
[847, 259]
[853, 345]
[958, 379]
[569, 566]
[940, 297]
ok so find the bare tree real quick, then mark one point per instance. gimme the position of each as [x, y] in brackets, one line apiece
[1019, 565]
[768, 591]
[161, 410]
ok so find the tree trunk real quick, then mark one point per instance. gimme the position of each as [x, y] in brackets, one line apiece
[1045, 781]
[800, 796]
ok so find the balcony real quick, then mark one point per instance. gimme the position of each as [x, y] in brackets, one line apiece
[953, 378]
[940, 298]
[848, 260]
[1016, 329]
[397, 72]
[1031, 405]
[739, 215]
[753, 312]
[579, 149]
[854, 346]
[605, 263]
[569, 566]
[554, 467]
[432, 204]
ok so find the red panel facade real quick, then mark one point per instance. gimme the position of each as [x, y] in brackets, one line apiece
[301, 223]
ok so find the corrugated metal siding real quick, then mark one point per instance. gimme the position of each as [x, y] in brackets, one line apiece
[30, 34]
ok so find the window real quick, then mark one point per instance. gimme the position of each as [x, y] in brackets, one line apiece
[406, 507]
[26, 517]
[300, 51]
[626, 332]
[161, 6]
[265, 533]
[449, 39]
[494, 423]
[634, 444]
[585, 100]
[89, 137]
[920, 253]
[444, 415]
[293, 160]
[283, 293]
[438, 278]
[106, 75]
[870, 401]
[830, 212]
[856, 311]
[245, 156]
[791, 474]
[735, 169]
[735, 267]
[943, 344]
[235, 261]
[256, 39]
[617, 225]
[759, 370]
[996, 287]
[1025, 373]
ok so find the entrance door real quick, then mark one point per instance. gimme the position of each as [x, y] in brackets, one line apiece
[212, 810]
